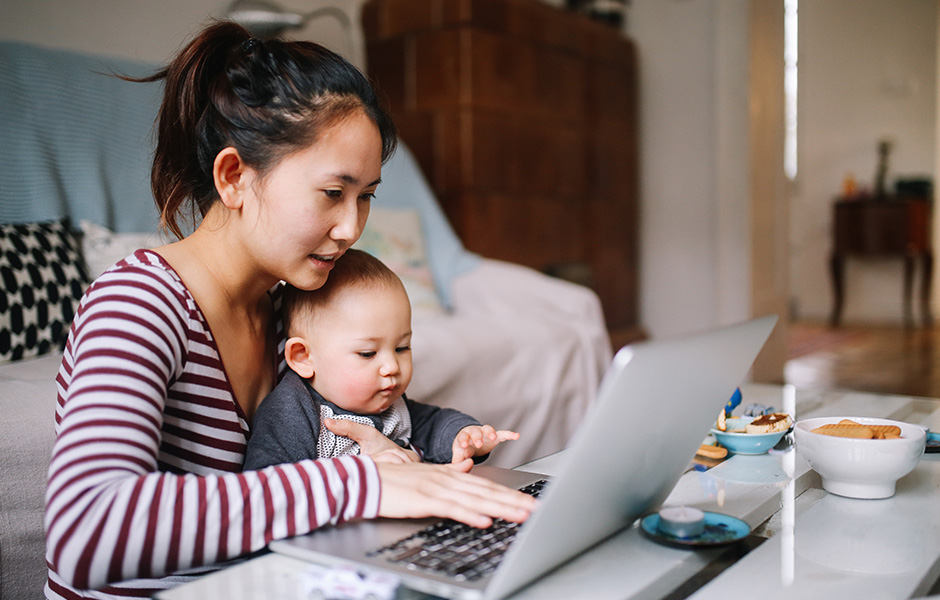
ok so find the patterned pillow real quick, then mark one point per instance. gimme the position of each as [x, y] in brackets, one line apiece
[43, 279]
[396, 238]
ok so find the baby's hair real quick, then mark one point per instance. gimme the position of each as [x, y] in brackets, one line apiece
[266, 99]
[355, 268]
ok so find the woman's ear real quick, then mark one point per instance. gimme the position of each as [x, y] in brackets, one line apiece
[229, 176]
[297, 355]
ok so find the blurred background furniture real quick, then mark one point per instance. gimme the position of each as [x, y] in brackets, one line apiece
[883, 227]
[523, 117]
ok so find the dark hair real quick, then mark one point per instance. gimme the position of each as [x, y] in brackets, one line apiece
[266, 99]
[355, 267]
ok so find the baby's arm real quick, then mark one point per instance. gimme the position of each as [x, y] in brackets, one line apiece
[478, 440]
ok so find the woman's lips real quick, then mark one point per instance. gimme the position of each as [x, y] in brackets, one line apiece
[325, 261]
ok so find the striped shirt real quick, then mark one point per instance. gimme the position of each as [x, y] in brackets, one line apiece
[146, 488]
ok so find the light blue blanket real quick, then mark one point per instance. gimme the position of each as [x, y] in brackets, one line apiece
[74, 140]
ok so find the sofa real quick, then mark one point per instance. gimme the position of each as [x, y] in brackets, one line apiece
[509, 345]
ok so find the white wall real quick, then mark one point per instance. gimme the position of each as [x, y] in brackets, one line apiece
[143, 30]
[867, 70]
[146, 30]
[695, 232]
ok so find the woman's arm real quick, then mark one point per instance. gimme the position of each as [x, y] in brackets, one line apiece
[116, 506]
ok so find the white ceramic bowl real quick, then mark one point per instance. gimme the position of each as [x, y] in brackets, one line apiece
[860, 468]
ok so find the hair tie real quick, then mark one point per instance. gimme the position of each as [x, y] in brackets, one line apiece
[249, 45]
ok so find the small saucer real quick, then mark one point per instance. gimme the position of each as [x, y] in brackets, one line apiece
[933, 442]
[719, 530]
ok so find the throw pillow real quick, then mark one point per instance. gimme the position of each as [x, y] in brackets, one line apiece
[395, 237]
[43, 280]
[102, 247]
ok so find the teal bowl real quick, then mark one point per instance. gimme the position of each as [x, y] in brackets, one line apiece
[738, 442]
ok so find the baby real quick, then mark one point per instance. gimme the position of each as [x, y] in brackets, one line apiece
[349, 352]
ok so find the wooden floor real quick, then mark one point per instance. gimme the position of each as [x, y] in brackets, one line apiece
[890, 360]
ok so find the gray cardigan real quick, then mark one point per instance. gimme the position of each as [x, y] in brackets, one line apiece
[286, 426]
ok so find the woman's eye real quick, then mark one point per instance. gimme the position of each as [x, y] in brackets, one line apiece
[368, 354]
[367, 197]
[335, 194]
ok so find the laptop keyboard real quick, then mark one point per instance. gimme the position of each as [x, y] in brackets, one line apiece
[456, 549]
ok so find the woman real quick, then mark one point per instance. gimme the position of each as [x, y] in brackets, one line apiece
[279, 146]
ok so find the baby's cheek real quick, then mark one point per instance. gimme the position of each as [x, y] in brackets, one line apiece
[357, 390]
[354, 387]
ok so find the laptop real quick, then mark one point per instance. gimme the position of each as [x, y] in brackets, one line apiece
[655, 405]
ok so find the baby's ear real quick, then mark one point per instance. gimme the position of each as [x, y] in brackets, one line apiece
[297, 355]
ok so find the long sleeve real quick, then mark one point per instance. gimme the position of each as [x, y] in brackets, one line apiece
[434, 430]
[286, 427]
[145, 478]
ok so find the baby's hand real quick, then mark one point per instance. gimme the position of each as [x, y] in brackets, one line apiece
[477, 440]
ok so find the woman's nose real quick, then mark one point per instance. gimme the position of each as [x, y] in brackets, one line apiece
[348, 225]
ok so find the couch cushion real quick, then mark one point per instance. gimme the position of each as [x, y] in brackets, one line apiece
[27, 432]
[43, 280]
[397, 239]
[404, 186]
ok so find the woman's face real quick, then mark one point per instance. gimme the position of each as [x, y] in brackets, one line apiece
[313, 205]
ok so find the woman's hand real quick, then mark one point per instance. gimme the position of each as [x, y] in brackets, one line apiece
[411, 489]
[371, 441]
[426, 490]
[479, 440]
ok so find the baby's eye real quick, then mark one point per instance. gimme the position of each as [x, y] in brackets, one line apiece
[402, 349]
[367, 354]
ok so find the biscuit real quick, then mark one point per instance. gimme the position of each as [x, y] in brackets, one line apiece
[710, 451]
[881, 432]
[722, 421]
[771, 423]
[846, 430]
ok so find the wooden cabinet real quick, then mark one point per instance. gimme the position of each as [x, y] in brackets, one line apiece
[523, 117]
[884, 227]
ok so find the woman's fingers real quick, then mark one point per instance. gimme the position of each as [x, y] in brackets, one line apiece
[357, 432]
[371, 441]
[422, 490]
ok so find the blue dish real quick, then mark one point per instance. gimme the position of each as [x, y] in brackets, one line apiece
[719, 530]
[746, 443]
[933, 442]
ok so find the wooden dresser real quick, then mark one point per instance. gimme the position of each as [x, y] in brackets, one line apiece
[523, 118]
[885, 227]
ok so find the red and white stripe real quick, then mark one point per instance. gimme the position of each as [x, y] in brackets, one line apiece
[145, 484]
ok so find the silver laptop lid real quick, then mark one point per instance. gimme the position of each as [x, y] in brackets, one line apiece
[655, 406]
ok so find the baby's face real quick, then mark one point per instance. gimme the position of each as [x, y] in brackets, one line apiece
[361, 349]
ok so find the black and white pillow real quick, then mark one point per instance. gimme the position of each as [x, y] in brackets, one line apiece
[42, 279]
